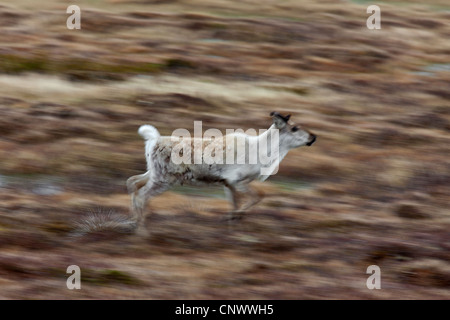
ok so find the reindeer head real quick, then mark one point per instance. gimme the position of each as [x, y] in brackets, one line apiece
[291, 135]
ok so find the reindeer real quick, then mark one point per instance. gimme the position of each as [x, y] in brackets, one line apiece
[162, 173]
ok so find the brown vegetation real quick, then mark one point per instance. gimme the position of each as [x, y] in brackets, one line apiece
[374, 189]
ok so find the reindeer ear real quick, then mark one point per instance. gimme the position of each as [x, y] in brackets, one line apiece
[278, 120]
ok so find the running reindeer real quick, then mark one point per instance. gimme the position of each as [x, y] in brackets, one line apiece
[163, 172]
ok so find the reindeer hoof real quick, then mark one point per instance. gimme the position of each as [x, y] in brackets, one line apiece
[234, 216]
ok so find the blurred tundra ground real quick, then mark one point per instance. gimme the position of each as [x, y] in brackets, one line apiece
[373, 190]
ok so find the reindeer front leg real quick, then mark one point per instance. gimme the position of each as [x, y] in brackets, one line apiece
[237, 194]
[235, 198]
[254, 194]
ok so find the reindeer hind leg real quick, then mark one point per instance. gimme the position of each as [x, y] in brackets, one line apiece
[140, 198]
[136, 182]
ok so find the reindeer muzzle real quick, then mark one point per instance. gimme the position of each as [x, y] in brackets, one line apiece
[313, 139]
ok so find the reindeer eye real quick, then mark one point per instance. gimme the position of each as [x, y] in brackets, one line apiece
[294, 129]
